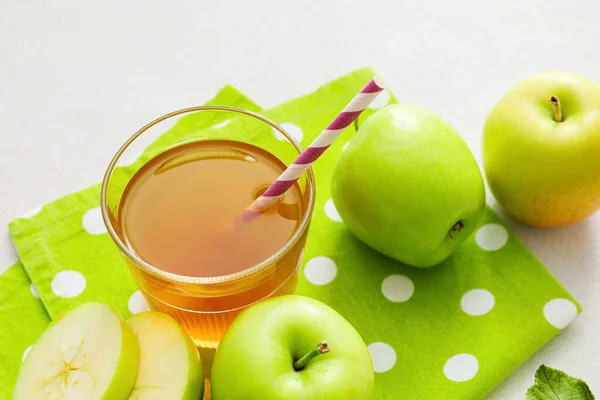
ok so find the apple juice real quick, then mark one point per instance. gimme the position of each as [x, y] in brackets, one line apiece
[179, 214]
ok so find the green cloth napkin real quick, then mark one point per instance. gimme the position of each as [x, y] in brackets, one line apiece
[450, 332]
[23, 318]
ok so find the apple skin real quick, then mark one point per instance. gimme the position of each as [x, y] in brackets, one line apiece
[254, 361]
[130, 362]
[545, 173]
[404, 181]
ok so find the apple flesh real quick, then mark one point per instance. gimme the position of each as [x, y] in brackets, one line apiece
[408, 186]
[541, 149]
[170, 367]
[90, 353]
[266, 355]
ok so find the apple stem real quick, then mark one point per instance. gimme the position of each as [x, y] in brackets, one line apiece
[456, 228]
[558, 117]
[322, 348]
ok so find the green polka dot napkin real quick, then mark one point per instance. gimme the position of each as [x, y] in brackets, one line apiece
[450, 332]
[23, 318]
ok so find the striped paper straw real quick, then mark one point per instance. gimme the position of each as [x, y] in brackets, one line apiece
[287, 179]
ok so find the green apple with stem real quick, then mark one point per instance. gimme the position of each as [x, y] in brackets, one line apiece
[170, 366]
[541, 149]
[291, 348]
[90, 353]
[408, 186]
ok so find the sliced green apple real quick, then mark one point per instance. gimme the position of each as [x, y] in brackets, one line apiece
[90, 353]
[170, 366]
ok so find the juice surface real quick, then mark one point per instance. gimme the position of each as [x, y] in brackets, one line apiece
[180, 211]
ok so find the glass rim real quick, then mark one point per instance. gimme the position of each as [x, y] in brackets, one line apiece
[228, 278]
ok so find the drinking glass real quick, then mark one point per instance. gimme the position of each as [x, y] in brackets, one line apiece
[206, 306]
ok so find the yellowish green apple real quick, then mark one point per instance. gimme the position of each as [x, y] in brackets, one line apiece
[90, 353]
[170, 367]
[274, 350]
[541, 149]
[408, 186]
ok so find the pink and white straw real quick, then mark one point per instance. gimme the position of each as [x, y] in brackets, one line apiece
[316, 148]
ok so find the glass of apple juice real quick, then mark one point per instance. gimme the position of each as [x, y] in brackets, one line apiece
[173, 213]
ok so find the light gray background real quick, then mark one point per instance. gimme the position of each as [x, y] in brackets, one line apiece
[78, 77]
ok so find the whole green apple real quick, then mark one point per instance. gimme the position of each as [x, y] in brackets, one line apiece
[541, 149]
[274, 350]
[408, 186]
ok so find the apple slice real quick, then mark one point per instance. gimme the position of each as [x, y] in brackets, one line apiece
[170, 366]
[90, 353]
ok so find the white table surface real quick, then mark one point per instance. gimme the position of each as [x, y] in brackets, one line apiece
[78, 77]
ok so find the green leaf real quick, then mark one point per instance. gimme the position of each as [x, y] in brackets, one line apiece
[552, 384]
